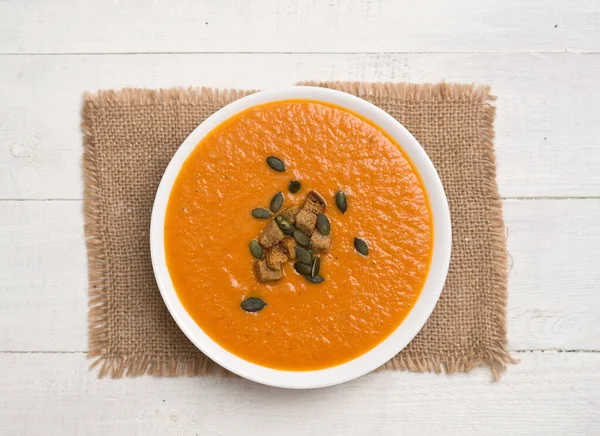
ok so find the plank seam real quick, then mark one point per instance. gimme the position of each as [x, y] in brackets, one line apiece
[145, 53]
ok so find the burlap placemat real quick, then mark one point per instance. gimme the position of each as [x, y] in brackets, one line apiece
[129, 138]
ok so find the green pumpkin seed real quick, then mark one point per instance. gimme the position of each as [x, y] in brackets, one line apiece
[276, 163]
[316, 267]
[315, 279]
[301, 238]
[284, 225]
[303, 256]
[289, 231]
[361, 246]
[294, 186]
[253, 304]
[261, 213]
[323, 224]
[256, 249]
[302, 268]
[276, 202]
[340, 201]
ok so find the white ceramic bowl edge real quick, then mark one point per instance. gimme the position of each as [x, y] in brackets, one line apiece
[411, 324]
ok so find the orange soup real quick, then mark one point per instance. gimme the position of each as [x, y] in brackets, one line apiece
[209, 224]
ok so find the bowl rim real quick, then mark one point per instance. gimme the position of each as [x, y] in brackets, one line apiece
[407, 329]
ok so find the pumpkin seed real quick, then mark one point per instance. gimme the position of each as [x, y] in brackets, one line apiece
[323, 224]
[315, 279]
[261, 213]
[276, 202]
[301, 238]
[284, 225]
[316, 267]
[361, 246]
[303, 256]
[294, 186]
[302, 268]
[289, 231]
[253, 304]
[340, 201]
[276, 163]
[256, 249]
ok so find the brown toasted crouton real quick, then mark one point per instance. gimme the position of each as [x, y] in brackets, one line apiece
[318, 242]
[266, 274]
[289, 247]
[315, 203]
[291, 212]
[306, 221]
[271, 235]
[275, 257]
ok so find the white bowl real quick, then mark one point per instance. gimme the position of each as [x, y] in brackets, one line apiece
[393, 343]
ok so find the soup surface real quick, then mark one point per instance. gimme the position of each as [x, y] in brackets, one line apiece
[208, 227]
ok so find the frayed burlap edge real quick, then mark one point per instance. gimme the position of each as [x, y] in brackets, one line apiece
[494, 355]
[145, 97]
[98, 339]
[414, 92]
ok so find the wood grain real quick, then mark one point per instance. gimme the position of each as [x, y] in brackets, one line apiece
[547, 129]
[132, 26]
[43, 277]
[542, 60]
[554, 281]
[547, 393]
[553, 301]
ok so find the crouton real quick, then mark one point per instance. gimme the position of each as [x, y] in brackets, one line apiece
[291, 212]
[275, 257]
[306, 221]
[266, 274]
[315, 203]
[289, 247]
[272, 235]
[318, 242]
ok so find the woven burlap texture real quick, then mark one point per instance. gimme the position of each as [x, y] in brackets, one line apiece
[129, 137]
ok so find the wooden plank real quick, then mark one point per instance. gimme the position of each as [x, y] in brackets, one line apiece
[43, 276]
[547, 127]
[126, 26]
[547, 393]
[554, 281]
[552, 298]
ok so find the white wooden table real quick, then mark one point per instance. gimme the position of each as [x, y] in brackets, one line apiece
[542, 59]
